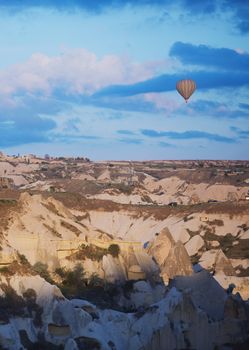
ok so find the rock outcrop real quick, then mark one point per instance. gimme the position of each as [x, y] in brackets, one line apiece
[171, 256]
[186, 317]
[6, 183]
[194, 245]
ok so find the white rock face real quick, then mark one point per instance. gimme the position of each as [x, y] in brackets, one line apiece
[36, 225]
[29, 236]
[147, 264]
[146, 295]
[241, 284]
[172, 189]
[207, 260]
[114, 269]
[71, 345]
[39, 222]
[7, 254]
[223, 264]
[194, 245]
[194, 316]
[171, 257]
[206, 292]
[182, 235]
[244, 263]
[161, 246]
[122, 224]
[9, 337]
[217, 262]
[245, 235]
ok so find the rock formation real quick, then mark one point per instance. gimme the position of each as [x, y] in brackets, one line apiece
[171, 256]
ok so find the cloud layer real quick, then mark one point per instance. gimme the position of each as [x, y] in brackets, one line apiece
[202, 55]
[77, 71]
[187, 135]
[45, 86]
[217, 68]
[238, 10]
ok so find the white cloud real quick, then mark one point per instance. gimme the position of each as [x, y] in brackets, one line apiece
[164, 101]
[240, 51]
[77, 71]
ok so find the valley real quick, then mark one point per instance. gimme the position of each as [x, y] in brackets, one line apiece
[123, 255]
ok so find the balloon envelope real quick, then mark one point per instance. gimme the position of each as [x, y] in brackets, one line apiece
[186, 88]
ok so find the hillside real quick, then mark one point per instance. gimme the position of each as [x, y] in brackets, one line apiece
[93, 257]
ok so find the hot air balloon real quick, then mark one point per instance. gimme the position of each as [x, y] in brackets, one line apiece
[186, 88]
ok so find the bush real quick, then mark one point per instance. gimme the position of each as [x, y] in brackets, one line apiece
[30, 295]
[88, 343]
[60, 271]
[4, 270]
[42, 344]
[23, 259]
[74, 281]
[42, 270]
[12, 304]
[95, 281]
[91, 252]
[216, 222]
[187, 218]
[30, 298]
[114, 250]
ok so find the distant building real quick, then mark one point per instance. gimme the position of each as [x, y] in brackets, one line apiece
[31, 155]
[28, 157]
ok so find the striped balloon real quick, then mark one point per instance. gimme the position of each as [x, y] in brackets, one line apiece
[186, 88]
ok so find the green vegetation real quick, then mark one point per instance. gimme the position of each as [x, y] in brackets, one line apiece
[216, 222]
[145, 198]
[41, 343]
[17, 267]
[123, 188]
[187, 218]
[13, 304]
[51, 207]
[70, 227]
[42, 270]
[114, 250]
[244, 227]
[91, 252]
[4, 201]
[23, 260]
[74, 284]
[95, 281]
[192, 233]
[4, 270]
[73, 281]
[52, 230]
[88, 343]
[194, 259]
[94, 252]
[29, 297]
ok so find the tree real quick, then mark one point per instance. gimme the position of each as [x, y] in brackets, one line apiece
[74, 281]
[42, 270]
[114, 250]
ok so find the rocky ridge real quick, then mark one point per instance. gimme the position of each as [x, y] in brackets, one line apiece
[78, 272]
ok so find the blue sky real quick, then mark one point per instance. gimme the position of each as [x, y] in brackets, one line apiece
[97, 78]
